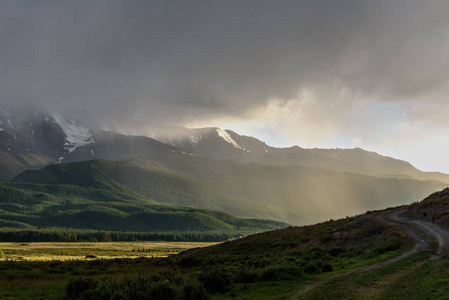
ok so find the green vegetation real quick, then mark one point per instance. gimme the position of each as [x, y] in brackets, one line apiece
[434, 208]
[14, 163]
[292, 194]
[39, 251]
[64, 220]
[68, 199]
[269, 264]
[70, 235]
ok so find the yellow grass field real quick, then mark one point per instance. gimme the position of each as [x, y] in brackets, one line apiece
[86, 251]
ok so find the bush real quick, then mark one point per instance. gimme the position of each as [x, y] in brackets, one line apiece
[336, 251]
[311, 268]
[244, 276]
[216, 281]
[77, 288]
[194, 291]
[2, 255]
[327, 267]
[278, 272]
[161, 290]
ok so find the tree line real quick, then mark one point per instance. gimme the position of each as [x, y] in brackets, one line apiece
[106, 236]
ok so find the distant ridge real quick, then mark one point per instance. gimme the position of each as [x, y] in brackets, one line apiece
[206, 168]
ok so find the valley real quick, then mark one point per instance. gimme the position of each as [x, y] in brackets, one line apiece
[380, 255]
[208, 213]
[185, 150]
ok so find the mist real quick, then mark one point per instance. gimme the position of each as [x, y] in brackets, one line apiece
[333, 69]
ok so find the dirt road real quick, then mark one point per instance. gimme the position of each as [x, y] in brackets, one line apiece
[426, 235]
[422, 231]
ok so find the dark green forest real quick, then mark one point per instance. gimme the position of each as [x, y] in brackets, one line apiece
[61, 202]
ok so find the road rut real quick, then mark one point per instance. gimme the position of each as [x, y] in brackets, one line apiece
[429, 229]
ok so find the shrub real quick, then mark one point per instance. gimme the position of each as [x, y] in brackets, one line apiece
[162, 291]
[77, 287]
[2, 255]
[327, 267]
[194, 291]
[244, 276]
[216, 281]
[311, 268]
[336, 251]
[278, 272]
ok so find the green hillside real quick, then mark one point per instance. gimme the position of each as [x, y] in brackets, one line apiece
[292, 194]
[434, 208]
[312, 194]
[17, 162]
[37, 206]
[147, 181]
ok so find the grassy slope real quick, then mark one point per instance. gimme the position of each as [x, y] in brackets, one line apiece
[14, 163]
[149, 180]
[293, 194]
[315, 194]
[434, 208]
[322, 261]
[267, 265]
[105, 206]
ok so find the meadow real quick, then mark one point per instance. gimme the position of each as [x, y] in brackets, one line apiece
[48, 251]
[275, 264]
[350, 258]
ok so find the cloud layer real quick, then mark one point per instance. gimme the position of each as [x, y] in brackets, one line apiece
[330, 67]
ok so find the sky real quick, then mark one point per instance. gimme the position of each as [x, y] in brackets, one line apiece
[327, 74]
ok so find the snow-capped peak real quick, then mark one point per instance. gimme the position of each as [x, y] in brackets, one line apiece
[76, 136]
[223, 134]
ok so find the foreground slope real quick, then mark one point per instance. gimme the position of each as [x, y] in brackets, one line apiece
[378, 255]
[434, 208]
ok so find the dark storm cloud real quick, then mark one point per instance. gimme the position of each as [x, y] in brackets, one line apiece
[174, 61]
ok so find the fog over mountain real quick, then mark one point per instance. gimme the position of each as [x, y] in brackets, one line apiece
[205, 168]
[364, 73]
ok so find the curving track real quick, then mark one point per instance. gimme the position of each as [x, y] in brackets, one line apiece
[421, 231]
[425, 234]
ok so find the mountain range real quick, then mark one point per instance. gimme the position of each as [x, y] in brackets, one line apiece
[206, 168]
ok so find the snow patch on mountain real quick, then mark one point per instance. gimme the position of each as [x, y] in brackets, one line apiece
[223, 134]
[1, 128]
[195, 138]
[76, 136]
